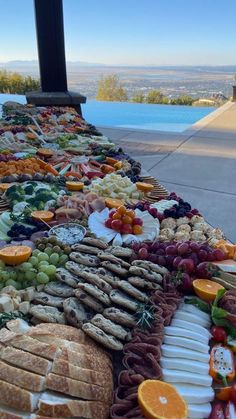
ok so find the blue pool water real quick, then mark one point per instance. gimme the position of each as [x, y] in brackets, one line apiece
[136, 115]
[143, 116]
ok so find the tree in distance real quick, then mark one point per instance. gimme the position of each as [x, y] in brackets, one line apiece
[16, 83]
[155, 96]
[139, 97]
[182, 100]
[110, 89]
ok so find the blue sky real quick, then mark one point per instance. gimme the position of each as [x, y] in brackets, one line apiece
[130, 32]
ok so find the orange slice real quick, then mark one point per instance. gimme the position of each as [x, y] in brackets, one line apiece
[144, 187]
[113, 203]
[206, 289]
[74, 186]
[42, 215]
[159, 400]
[14, 255]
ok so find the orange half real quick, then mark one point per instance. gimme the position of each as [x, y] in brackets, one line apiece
[42, 215]
[159, 400]
[14, 255]
[206, 289]
[74, 186]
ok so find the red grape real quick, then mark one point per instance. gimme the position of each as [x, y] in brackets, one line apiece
[136, 246]
[206, 270]
[183, 249]
[202, 254]
[187, 265]
[116, 225]
[153, 212]
[111, 213]
[171, 250]
[194, 246]
[218, 254]
[108, 223]
[161, 260]
[143, 253]
[186, 283]
[137, 221]
[176, 261]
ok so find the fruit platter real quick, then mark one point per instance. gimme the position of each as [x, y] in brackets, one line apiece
[117, 298]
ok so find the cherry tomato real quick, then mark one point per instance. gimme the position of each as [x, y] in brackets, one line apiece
[233, 393]
[219, 334]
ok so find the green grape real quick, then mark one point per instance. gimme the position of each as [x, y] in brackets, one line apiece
[20, 276]
[11, 282]
[42, 257]
[33, 260]
[13, 274]
[36, 252]
[5, 276]
[25, 284]
[63, 259]
[2, 264]
[30, 275]
[44, 262]
[25, 266]
[42, 278]
[48, 250]
[54, 258]
[18, 285]
[49, 270]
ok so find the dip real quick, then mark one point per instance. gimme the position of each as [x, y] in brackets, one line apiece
[69, 233]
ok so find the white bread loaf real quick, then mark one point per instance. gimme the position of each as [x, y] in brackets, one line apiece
[53, 371]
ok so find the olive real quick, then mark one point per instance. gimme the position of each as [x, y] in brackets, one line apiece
[52, 240]
[56, 249]
[67, 250]
[41, 246]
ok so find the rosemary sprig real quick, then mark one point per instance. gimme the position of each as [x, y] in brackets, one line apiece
[6, 317]
[145, 315]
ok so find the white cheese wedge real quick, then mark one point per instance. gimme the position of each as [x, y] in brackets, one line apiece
[190, 308]
[189, 334]
[199, 411]
[187, 343]
[191, 326]
[195, 394]
[184, 365]
[192, 318]
[175, 376]
[175, 351]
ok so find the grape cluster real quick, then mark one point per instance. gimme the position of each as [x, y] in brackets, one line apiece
[39, 269]
[185, 260]
[19, 231]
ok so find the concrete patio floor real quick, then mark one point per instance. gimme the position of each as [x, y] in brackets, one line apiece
[199, 164]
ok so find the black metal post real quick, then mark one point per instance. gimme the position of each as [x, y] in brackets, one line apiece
[51, 46]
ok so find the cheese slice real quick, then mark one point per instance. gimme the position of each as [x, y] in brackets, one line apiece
[190, 308]
[199, 411]
[191, 326]
[172, 351]
[186, 343]
[191, 318]
[184, 365]
[189, 334]
[175, 376]
[195, 394]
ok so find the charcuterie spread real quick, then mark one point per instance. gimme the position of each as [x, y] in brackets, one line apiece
[117, 298]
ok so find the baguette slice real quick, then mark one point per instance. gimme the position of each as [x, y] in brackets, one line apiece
[21, 378]
[62, 367]
[84, 361]
[25, 360]
[28, 344]
[78, 388]
[62, 331]
[62, 407]
[16, 397]
[9, 413]
[72, 346]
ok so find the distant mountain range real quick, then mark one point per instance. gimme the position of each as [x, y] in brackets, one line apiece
[74, 64]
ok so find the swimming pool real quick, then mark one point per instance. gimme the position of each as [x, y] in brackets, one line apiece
[172, 118]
